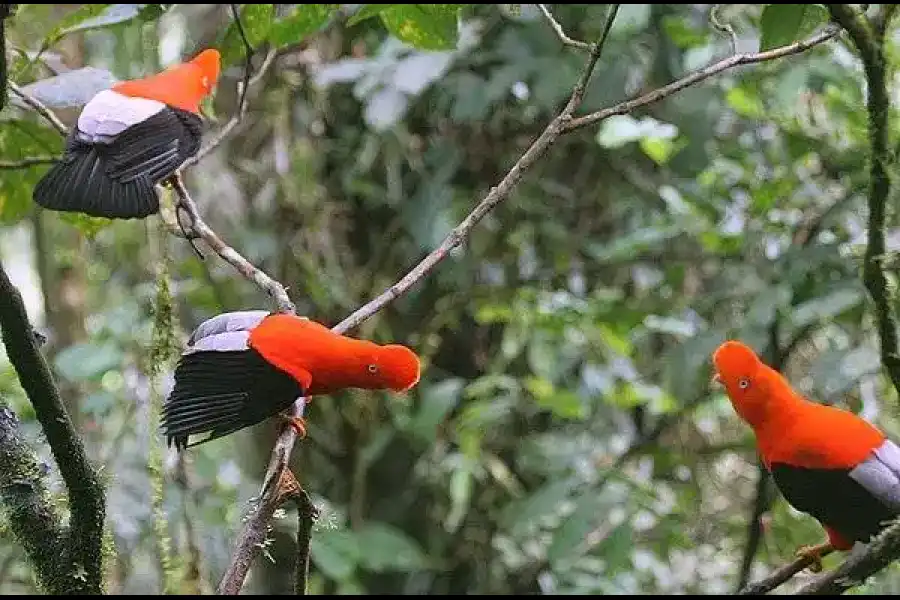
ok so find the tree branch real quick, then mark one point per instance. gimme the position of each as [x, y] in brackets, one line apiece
[881, 551]
[560, 33]
[254, 529]
[700, 75]
[31, 161]
[780, 576]
[85, 491]
[27, 503]
[40, 108]
[871, 49]
[230, 255]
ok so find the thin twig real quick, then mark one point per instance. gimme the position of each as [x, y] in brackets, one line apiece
[40, 108]
[781, 575]
[560, 33]
[246, 546]
[248, 54]
[725, 28]
[31, 161]
[230, 255]
[701, 74]
[236, 117]
[306, 518]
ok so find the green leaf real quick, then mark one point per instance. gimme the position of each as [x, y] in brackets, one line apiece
[437, 402]
[302, 21]
[88, 361]
[744, 103]
[424, 26]
[335, 552]
[827, 307]
[562, 403]
[784, 24]
[84, 13]
[460, 497]
[545, 501]
[257, 21]
[88, 225]
[660, 150]
[368, 11]
[113, 14]
[384, 548]
[569, 539]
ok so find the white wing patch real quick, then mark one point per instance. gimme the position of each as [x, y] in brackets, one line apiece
[221, 342]
[110, 113]
[880, 474]
[231, 321]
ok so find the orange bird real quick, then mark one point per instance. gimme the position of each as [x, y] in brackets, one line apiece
[129, 138]
[827, 462]
[242, 367]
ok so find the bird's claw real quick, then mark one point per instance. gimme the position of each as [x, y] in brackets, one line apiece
[298, 423]
[814, 554]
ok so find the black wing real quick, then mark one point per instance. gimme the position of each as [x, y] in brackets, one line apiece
[833, 498]
[220, 392]
[116, 178]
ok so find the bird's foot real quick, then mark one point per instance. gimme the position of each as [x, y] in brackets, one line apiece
[814, 554]
[298, 423]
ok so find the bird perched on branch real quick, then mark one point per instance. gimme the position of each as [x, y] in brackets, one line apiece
[128, 139]
[242, 367]
[827, 462]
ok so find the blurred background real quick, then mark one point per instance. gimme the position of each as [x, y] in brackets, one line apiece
[564, 437]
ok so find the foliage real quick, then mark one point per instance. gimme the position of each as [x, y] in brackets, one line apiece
[563, 438]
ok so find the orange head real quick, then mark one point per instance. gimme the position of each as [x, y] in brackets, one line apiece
[330, 362]
[751, 385]
[181, 86]
[394, 367]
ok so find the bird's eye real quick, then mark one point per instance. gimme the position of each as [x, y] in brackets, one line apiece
[205, 82]
[373, 369]
[744, 383]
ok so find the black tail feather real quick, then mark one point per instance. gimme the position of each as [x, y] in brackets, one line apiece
[80, 182]
[221, 392]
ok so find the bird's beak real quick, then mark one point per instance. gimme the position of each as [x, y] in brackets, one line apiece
[716, 380]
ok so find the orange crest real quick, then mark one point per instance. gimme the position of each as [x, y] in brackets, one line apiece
[181, 86]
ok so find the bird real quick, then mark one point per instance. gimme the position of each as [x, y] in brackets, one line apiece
[127, 139]
[826, 461]
[240, 368]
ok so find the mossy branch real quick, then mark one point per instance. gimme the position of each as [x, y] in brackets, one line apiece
[27, 504]
[869, 41]
[81, 563]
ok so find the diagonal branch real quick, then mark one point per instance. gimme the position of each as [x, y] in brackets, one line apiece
[560, 33]
[85, 491]
[230, 255]
[40, 108]
[780, 576]
[701, 75]
[31, 161]
[870, 43]
[255, 526]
